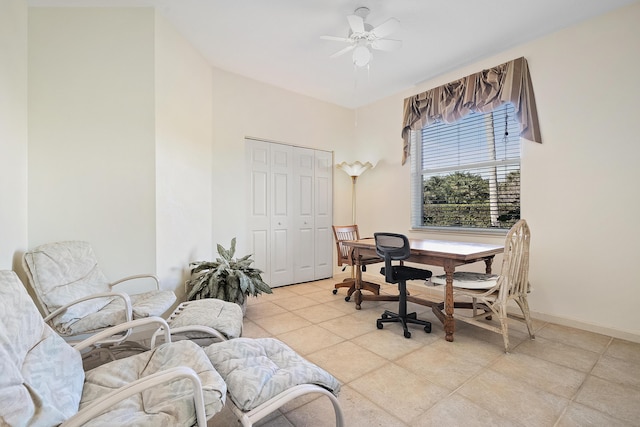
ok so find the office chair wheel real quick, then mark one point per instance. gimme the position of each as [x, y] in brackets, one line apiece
[347, 299]
[407, 334]
[335, 291]
[379, 324]
[427, 329]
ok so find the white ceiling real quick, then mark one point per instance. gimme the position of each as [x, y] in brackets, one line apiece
[278, 41]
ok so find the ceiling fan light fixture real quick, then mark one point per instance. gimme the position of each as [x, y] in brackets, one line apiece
[361, 56]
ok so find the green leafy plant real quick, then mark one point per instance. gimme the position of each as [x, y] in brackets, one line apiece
[226, 278]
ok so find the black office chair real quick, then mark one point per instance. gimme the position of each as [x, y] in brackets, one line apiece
[395, 247]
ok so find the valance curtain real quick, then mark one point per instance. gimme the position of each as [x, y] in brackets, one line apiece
[480, 92]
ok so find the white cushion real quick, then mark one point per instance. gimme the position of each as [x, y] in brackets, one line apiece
[225, 317]
[168, 404]
[41, 375]
[257, 370]
[63, 272]
[468, 280]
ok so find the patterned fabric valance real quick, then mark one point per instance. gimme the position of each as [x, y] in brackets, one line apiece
[482, 92]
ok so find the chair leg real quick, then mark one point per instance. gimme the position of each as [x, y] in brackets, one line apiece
[401, 316]
[504, 326]
[524, 306]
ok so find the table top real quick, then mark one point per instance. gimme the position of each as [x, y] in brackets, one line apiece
[463, 251]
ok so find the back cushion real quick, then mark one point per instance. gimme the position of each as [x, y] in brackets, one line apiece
[42, 376]
[65, 271]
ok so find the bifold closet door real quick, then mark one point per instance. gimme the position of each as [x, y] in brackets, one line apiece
[323, 215]
[303, 210]
[281, 255]
[290, 210]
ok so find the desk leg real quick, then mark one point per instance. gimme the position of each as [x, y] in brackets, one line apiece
[487, 264]
[449, 322]
[358, 292]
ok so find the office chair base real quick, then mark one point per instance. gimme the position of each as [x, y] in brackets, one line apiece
[374, 288]
[391, 317]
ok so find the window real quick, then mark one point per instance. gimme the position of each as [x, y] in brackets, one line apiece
[467, 174]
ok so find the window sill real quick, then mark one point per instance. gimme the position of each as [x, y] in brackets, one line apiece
[459, 231]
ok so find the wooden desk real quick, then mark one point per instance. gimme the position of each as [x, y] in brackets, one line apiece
[442, 253]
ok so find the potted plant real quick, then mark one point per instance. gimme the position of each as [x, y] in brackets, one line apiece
[226, 278]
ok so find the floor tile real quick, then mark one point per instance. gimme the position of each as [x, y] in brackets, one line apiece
[514, 399]
[309, 339]
[539, 373]
[252, 330]
[575, 337]
[578, 415]
[319, 313]
[295, 302]
[626, 350]
[565, 377]
[618, 370]
[615, 400]
[455, 411]
[346, 360]
[349, 326]
[399, 391]
[560, 353]
[448, 364]
[389, 346]
[361, 412]
[281, 323]
[264, 309]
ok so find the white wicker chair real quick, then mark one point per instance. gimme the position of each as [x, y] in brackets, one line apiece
[43, 382]
[76, 297]
[492, 293]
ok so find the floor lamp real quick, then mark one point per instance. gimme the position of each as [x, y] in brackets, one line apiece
[354, 170]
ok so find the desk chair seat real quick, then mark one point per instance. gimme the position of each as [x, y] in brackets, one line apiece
[395, 247]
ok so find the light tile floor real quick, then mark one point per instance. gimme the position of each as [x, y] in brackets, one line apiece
[565, 377]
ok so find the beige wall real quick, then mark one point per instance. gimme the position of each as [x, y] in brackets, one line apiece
[247, 108]
[92, 133]
[579, 188]
[13, 132]
[183, 155]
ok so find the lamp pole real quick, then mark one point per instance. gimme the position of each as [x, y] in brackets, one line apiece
[354, 170]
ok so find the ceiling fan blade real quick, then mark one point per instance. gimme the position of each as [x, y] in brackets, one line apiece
[386, 44]
[343, 51]
[356, 23]
[387, 27]
[336, 39]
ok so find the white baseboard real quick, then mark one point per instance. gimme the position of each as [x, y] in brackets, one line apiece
[559, 320]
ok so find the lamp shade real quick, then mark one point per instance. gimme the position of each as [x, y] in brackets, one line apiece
[355, 168]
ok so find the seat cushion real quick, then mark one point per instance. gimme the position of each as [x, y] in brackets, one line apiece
[170, 404]
[225, 317]
[257, 370]
[41, 376]
[468, 280]
[153, 303]
[62, 272]
[403, 272]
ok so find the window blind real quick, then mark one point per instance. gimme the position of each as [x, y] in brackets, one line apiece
[468, 172]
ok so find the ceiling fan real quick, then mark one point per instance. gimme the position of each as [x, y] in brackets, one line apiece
[363, 37]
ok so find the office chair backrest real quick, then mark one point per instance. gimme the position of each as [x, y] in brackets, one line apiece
[391, 247]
